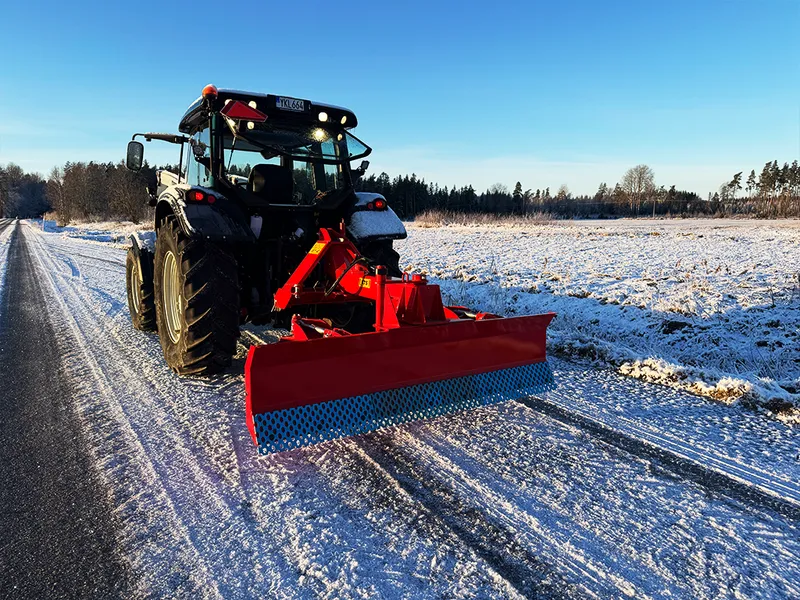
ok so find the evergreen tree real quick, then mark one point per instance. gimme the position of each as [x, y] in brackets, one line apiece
[516, 198]
[735, 185]
[751, 182]
[602, 193]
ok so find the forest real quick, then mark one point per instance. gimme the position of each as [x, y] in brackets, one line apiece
[97, 191]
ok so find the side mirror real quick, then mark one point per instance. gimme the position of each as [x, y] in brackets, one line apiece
[135, 156]
[364, 166]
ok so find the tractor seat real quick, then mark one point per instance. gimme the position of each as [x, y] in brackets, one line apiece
[271, 182]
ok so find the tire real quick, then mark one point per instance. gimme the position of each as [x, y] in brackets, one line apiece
[381, 253]
[139, 278]
[197, 302]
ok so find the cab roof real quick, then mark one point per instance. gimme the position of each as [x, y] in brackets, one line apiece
[268, 104]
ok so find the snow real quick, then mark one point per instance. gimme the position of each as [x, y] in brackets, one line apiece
[105, 232]
[367, 223]
[509, 501]
[707, 306]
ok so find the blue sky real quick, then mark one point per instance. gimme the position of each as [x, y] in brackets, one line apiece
[547, 93]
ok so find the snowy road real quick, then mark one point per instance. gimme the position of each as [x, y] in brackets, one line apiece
[607, 488]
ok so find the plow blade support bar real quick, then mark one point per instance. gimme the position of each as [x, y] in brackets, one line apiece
[304, 392]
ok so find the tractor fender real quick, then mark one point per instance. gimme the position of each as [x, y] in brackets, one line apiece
[367, 225]
[220, 221]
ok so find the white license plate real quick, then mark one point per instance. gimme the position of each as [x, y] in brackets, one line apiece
[291, 104]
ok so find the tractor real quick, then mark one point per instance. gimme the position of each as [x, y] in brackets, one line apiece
[260, 223]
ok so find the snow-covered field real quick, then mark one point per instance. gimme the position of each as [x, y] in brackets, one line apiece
[607, 488]
[708, 306]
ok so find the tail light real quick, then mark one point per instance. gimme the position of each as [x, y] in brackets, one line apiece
[377, 205]
[201, 196]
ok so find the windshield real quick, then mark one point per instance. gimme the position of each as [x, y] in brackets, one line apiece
[315, 155]
[314, 174]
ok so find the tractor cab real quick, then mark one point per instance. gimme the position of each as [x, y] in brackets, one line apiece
[272, 151]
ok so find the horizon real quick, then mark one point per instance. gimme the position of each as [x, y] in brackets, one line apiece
[698, 93]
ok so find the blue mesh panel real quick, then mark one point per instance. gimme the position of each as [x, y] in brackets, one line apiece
[305, 425]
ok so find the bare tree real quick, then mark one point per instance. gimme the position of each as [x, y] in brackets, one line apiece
[55, 194]
[638, 185]
[127, 192]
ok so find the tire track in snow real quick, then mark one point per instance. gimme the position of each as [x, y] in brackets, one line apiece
[391, 506]
[502, 490]
[526, 551]
[388, 531]
[642, 525]
[717, 475]
[494, 543]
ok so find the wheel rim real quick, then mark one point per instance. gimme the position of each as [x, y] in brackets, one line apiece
[135, 285]
[172, 297]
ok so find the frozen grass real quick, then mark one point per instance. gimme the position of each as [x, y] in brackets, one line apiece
[444, 218]
[708, 306]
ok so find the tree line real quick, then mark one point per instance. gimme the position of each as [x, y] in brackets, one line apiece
[635, 195]
[775, 193]
[108, 191]
[77, 191]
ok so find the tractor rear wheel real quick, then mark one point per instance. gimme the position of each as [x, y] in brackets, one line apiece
[139, 278]
[197, 301]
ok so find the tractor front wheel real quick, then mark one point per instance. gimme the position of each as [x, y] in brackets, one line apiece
[197, 301]
[139, 278]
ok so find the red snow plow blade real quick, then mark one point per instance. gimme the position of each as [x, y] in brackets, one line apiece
[423, 360]
[301, 393]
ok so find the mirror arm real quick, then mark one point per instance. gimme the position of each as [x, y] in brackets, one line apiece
[172, 138]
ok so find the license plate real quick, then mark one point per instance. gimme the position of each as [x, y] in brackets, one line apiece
[291, 104]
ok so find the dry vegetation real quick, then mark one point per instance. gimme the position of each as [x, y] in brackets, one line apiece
[442, 218]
